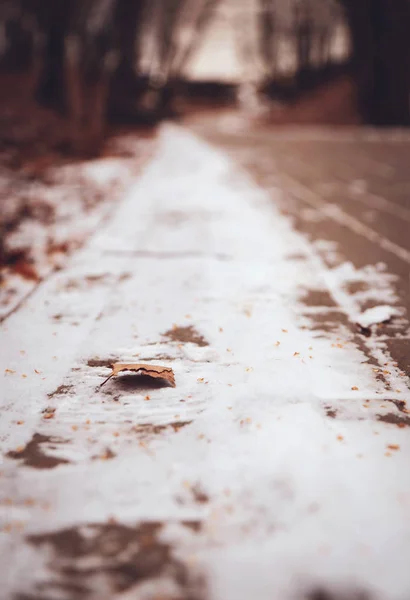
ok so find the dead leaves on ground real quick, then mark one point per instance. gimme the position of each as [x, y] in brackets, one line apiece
[153, 371]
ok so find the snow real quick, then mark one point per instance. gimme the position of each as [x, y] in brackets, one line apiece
[60, 209]
[297, 499]
[376, 315]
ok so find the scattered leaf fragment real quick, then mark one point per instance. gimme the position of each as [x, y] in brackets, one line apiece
[154, 371]
[296, 353]
[285, 330]
[49, 412]
[37, 371]
[393, 447]
[340, 438]
[107, 454]
[9, 371]
[355, 388]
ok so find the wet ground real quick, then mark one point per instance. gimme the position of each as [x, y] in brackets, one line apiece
[349, 187]
[277, 467]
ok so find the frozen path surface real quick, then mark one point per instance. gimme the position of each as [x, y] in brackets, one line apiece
[278, 467]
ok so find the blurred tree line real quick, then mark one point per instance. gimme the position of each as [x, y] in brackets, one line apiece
[379, 59]
[141, 47]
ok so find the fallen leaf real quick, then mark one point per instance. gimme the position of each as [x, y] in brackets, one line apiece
[355, 388]
[49, 412]
[154, 371]
[26, 270]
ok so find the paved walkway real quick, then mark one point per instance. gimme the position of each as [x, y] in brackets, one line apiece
[278, 465]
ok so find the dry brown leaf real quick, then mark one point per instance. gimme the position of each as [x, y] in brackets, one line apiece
[26, 270]
[154, 371]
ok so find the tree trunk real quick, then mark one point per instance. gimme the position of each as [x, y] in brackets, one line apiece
[53, 17]
[125, 86]
[128, 18]
[381, 59]
[266, 36]
[391, 63]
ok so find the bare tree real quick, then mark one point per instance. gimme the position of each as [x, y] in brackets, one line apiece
[304, 35]
[381, 58]
[268, 30]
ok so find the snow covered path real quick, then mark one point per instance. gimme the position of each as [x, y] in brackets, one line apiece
[278, 467]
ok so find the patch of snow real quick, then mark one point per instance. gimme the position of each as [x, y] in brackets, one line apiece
[106, 171]
[377, 315]
[55, 214]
